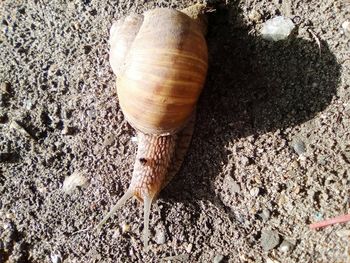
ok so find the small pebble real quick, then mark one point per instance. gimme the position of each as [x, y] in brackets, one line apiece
[91, 113]
[56, 258]
[282, 199]
[286, 246]
[125, 228]
[265, 214]
[269, 240]
[298, 146]
[244, 160]
[235, 188]
[160, 236]
[74, 180]
[189, 247]
[346, 27]
[254, 16]
[232, 185]
[254, 191]
[278, 28]
[218, 258]
[5, 87]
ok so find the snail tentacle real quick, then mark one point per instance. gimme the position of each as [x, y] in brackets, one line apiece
[147, 203]
[128, 194]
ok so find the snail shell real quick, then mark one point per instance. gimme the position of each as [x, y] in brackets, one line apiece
[160, 59]
[160, 68]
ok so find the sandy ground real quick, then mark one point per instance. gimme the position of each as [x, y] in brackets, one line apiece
[270, 152]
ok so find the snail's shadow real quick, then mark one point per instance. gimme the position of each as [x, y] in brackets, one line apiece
[253, 87]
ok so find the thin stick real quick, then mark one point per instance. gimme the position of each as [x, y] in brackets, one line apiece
[81, 230]
[315, 37]
[331, 221]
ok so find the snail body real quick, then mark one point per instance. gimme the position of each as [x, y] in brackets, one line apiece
[160, 59]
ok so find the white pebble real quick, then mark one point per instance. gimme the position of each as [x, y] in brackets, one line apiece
[218, 258]
[286, 246]
[277, 28]
[56, 258]
[160, 236]
[74, 180]
[346, 26]
[189, 247]
[254, 191]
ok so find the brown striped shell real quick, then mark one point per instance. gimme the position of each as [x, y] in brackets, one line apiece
[161, 60]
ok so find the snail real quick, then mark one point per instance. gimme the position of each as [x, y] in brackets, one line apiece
[160, 60]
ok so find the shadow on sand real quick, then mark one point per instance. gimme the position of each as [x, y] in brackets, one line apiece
[253, 87]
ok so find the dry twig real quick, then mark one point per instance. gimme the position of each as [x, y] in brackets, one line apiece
[315, 37]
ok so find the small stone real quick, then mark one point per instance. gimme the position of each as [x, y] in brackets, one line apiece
[278, 28]
[76, 25]
[282, 199]
[73, 181]
[235, 188]
[56, 257]
[232, 185]
[269, 240]
[218, 258]
[125, 227]
[298, 146]
[294, 165]
[91, 113]
[5, 87]
[160, 236]
[257, 179]
[189, 247]
[244, 161]
[52, 70]
[296, 189]
[265, 214]
[28, 104]
[254, 16]
[346, 27]
[254, 191]
[286, 246]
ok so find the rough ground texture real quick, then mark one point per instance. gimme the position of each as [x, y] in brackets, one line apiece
[270, 152]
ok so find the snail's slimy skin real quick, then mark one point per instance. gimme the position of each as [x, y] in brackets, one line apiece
[158, 159]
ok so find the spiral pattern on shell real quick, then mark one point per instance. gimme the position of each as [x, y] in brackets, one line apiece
[163, 71]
